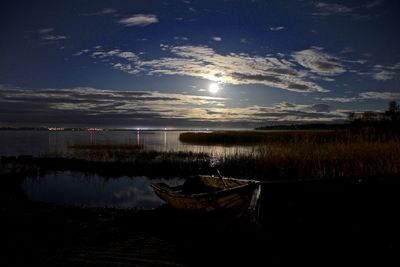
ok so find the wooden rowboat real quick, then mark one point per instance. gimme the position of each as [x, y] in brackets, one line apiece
[205, 193]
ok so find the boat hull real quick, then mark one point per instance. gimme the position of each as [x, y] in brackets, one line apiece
[234, 197]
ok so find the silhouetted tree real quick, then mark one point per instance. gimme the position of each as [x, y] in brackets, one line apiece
[388, 121]
[393, 113]
[351, 117]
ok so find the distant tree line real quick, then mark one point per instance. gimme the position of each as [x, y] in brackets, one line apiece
[387, 120]
[308, 126]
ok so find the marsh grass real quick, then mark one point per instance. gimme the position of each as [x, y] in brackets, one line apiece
[295, 156]
[306, 154]
[105, 152]
[240, 138]
[107, 147]
[234, 138]
[139, 158]
[316, 161]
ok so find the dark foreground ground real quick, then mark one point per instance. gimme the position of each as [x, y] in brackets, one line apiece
[330, 222]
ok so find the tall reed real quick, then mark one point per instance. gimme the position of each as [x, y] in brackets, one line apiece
[294, 155]
[308, 160]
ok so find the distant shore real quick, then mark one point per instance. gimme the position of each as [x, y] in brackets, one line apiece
[66, 129]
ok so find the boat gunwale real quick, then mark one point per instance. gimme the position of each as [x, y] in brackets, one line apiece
[171, 192]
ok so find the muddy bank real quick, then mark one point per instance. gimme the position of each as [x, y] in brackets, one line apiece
[152, 165]
[39, 234]
[324, 222]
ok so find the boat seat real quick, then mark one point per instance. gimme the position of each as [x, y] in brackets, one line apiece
[195, 185]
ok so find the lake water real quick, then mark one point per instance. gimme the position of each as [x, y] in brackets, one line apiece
[92, 190]
[14, 143]
[75, 188]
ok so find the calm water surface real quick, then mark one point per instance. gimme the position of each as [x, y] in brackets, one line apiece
[14, 143]
[93, 190]
[81, 189]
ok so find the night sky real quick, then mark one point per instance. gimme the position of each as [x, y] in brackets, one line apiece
[195, 63]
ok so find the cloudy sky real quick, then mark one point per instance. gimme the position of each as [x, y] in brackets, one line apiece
[188, 63]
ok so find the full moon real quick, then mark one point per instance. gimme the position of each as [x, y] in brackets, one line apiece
[213, 88]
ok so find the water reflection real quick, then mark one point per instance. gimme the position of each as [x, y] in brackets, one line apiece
[94, 191]
[92, 137]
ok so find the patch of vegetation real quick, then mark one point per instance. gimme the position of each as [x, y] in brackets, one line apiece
[107, 146]
[238, 138]
[223, 137]
[311, 126]
[110, 163]
[384, 122]
[307, 155]
[302, 161]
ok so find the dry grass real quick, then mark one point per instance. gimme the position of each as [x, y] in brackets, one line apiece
[239, 138]
[133, 153]
[105, 152]
[234, 138]
[321, 161]
[107, 146]
[290, 155]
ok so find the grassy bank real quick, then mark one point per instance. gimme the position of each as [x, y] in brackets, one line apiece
[316, 161]
[241, 138]
[300, 159]
[306, 154]
[132, 154]
[122, 147]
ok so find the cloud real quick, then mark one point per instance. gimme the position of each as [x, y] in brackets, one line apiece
[46, 30]
[373, 3]
[203, 62]
[291, 112]
[127, 55]
[279, 112]
[278, 28]
[380, 95]
[81, 52]
[78, 105]
[369, 95]
[108, 11]
[356, 12]
[47, 34]
[326, 9]
[216, 38]
[90, 106]
[300, 71]
[181, 38]
[54, 37]
[319, 62]
[104, 11]
[339, 99]
[384, 75]
[139, 20]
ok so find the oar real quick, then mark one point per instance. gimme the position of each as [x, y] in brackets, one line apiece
[222, 179]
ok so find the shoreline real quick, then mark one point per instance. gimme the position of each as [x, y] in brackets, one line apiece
[301, 223]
